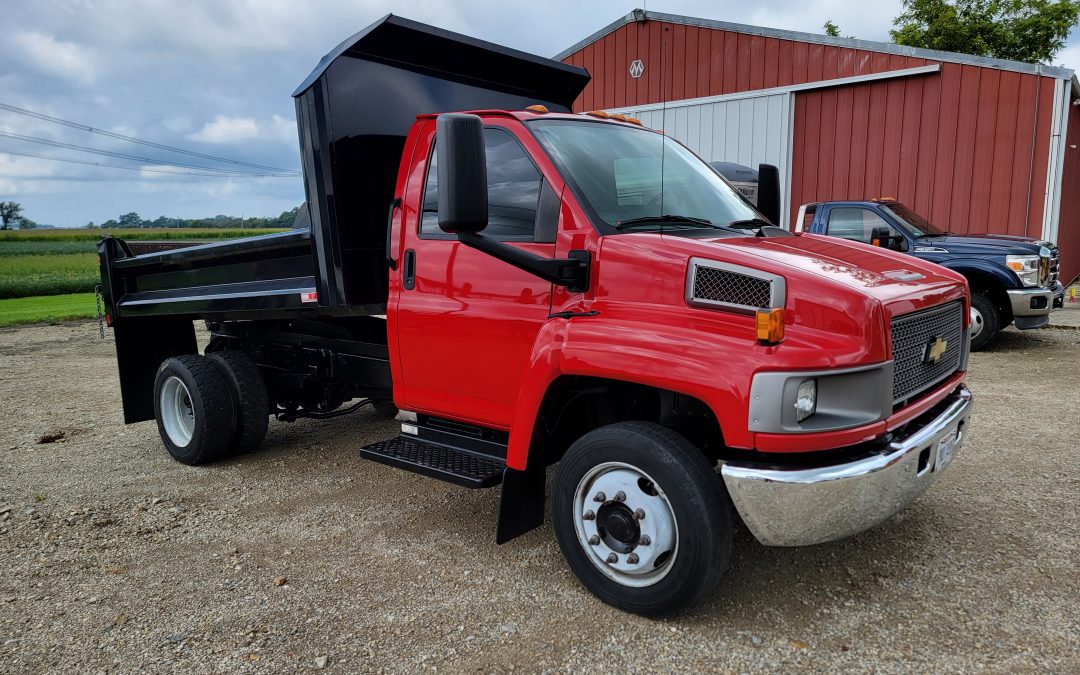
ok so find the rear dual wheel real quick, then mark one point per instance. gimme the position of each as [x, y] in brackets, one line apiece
[642, 518]
[208, 407]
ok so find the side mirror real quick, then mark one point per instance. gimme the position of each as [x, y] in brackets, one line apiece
[768, 195]
[462, 173]
[880, 236]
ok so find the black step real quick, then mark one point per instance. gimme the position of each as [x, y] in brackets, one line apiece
[461, 467]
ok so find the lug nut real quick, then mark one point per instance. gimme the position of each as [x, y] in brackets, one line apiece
[620, 496]
[632, 559]
[600, 497]
[612, 558]
[589, 515]
[594, 540]
[644, 541]
[639, 514]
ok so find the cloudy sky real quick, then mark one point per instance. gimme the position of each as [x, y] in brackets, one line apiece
[215, 77]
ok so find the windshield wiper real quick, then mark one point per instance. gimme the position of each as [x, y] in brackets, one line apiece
[669, 218]
[749, 223]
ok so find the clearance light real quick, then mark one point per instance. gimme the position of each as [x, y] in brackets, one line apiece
[539, 109]
[616, 116]
[633, 120]
[770, 325]
[598, 113]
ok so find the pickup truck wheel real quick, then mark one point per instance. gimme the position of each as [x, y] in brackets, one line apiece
[249, 397]
[195, 412]
[985, 320]
[642, 518]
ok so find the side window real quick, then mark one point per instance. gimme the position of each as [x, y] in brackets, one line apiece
[858, 225]
[514, 185]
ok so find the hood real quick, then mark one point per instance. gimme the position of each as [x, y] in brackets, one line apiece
[988, 243]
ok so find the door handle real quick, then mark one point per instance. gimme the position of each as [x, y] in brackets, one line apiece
[408, 281]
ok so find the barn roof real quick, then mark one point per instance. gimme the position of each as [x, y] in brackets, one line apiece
[851, 43]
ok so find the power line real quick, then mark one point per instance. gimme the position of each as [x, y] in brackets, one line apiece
[138, 168]
[132, 139]
[121, 155]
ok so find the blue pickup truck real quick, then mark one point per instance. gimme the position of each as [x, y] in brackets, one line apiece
[1013, 279]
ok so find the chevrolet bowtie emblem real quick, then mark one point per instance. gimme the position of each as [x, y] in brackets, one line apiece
[935, 350]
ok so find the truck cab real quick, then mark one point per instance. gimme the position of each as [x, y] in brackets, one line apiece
[1013, 279]
[526, 287]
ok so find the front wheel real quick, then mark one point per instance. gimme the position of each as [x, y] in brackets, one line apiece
[642, 518]
[985, 320]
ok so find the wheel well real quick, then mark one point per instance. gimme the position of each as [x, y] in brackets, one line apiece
[575, 405]
[981, 281]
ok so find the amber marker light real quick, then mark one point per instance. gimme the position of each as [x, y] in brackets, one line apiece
[770, 325]
[538, 109]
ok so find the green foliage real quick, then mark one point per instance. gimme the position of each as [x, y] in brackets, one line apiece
[25, 275]
[831, 29]
[1020, 30]
[133, 220]
[51, 308]
[10, 215]
[150, 234]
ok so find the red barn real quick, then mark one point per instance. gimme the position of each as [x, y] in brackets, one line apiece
[974, 144]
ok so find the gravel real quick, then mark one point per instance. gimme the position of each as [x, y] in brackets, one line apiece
[114, 558]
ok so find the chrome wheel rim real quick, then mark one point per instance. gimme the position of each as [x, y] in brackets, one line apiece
[177, 413]
[625, 524]
[976, 323]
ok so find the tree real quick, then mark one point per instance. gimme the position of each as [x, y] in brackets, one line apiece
[831, 29]
[130, 220]
[25, 223]
[90, 225]
[10, 215]
[1020, 30]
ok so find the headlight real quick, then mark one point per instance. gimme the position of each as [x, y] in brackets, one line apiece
[1026, 267]
[806, 400]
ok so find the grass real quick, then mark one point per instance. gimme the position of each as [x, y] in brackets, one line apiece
[26, 275]
[16, 311]
[152, 233]
[56, 262]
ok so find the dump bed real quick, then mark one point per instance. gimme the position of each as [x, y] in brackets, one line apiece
[353, 114]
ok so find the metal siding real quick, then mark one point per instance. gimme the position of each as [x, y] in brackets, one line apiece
[1069, 226]
[967, 148]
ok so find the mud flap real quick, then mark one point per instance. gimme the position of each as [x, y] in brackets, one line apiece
[521, 505]
[141, 346]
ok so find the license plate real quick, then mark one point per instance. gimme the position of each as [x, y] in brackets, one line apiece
[945, 448]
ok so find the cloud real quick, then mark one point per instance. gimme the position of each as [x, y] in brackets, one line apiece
[66, 59]
[225, 130]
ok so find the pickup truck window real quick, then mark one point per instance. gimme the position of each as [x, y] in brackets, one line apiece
[858, 224]
[514, 185]
[625, 173]
[919, 226]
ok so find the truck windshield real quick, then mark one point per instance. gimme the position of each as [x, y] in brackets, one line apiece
[636, 180]
[919, 226]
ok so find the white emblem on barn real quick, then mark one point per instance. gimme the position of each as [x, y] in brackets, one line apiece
[637, 68]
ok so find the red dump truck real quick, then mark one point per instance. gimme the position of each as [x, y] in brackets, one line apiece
[525, 287]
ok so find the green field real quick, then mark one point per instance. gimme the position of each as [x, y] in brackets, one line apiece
[64, 263]
[45, 309]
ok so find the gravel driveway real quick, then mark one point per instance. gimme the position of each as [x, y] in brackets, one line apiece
[115, 558]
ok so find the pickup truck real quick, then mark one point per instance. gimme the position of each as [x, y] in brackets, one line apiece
[527, 287]
[1013, 280]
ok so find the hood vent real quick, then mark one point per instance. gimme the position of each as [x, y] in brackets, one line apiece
[718, 285]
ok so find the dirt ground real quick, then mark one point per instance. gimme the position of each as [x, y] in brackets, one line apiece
[114, 558]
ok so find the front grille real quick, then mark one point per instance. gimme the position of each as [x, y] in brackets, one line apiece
[1055, 263]
[912, 337]
[717, 285]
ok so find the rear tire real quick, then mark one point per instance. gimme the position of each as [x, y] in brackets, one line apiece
[194, 408]
[652, 481]
[249, 397]
[986, 318]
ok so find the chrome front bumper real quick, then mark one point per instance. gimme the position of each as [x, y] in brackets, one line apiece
[1031, 301]
[799, 507]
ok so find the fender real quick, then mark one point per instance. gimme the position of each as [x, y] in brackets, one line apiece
[582, 346]
[974, 266]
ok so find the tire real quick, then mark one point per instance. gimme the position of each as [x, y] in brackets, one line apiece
[677, 476]
[249, 397]
[195, 412]
[984, 310]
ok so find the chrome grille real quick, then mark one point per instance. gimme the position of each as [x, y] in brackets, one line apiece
[733, 288]
[913, 335]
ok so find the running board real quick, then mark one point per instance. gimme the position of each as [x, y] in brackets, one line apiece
[453, 465]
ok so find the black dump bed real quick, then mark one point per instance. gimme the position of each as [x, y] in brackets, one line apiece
[353, 113]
